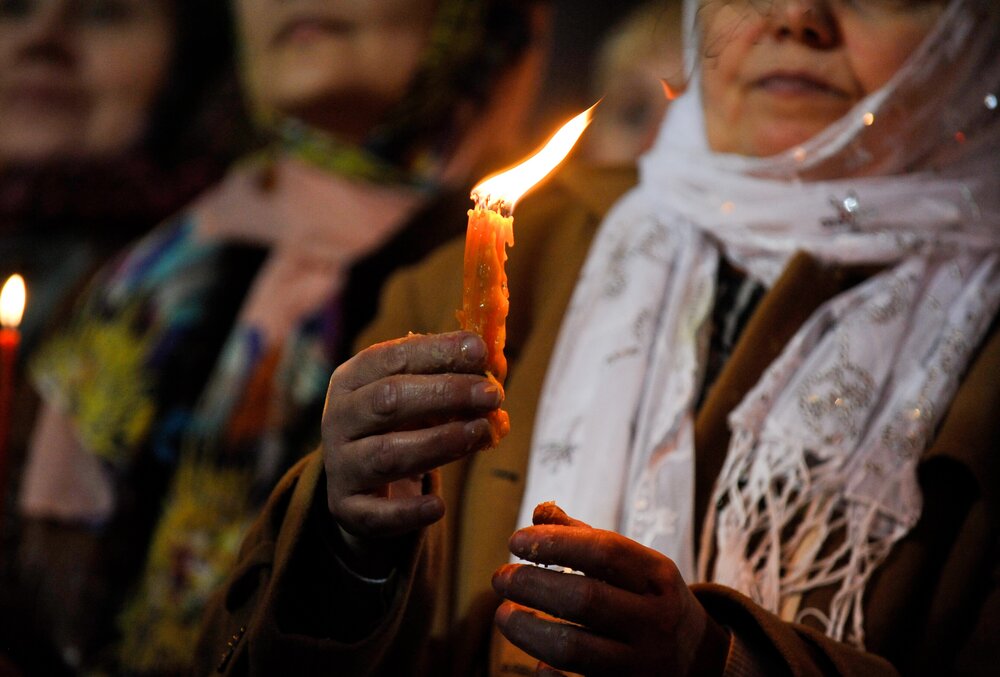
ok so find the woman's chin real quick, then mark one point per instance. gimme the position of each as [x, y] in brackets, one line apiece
[776, 139]
[763, 136]
[39, 146]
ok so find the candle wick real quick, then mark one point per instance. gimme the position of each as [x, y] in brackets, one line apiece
[498, 205]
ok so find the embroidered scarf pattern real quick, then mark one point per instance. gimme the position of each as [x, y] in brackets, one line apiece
[820, 477]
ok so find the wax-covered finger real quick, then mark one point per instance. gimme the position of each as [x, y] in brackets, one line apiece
[458, 352]
[410, 401]
[595, 604]
[550, 513]
[375, 461]
[377, 517]
[561, 645]
[604, 555]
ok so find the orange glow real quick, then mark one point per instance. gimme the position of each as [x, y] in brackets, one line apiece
[669, 91]
[12, 300]
[501, 191]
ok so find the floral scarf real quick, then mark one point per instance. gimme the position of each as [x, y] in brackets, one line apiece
[204, 352]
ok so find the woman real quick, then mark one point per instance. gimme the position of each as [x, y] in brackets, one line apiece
[775, 375]
[107, 108]
[104, 124]
[639, 56]
[207, 346]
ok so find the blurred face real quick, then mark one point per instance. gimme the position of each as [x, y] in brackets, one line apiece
[777, 72]
[630, 112]
[337, 64]
[78, 77]
[631, 64]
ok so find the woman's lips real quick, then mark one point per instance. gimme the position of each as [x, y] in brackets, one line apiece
[304, 29]
[40, 96]
[796, 84]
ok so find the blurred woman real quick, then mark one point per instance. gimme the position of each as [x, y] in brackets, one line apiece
[113, 114]
[633, 70]
[105, 128]
[206, 348]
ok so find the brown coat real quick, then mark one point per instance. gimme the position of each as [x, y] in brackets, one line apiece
[933, 608]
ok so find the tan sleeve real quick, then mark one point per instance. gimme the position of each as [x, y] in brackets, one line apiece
[420, 299]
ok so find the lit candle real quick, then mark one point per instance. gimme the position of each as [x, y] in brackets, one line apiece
[12, 300]
[490, 232]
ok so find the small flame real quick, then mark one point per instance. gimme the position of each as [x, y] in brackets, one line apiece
[12, 299]
[501, 191]
[670, 91]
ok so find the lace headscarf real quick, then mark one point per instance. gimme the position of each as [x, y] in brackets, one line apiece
[820, 477]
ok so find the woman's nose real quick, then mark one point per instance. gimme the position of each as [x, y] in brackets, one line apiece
[808, 21]
[45, 31]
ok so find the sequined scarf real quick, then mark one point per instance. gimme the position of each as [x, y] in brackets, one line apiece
[819, 481]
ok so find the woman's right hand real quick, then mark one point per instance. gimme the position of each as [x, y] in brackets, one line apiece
[395, 412]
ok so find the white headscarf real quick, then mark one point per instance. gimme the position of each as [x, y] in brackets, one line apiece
[829, 438]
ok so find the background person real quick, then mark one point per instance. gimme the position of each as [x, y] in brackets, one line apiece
[195, 369]
[106, 126]
[113, 114]
[636, 58]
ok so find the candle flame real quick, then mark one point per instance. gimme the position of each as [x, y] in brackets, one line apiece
[670, 91]
[12, 300]
[501, 191]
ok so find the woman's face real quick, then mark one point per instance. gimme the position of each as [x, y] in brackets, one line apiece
[337, 64]
[777, 72]
[78, 78]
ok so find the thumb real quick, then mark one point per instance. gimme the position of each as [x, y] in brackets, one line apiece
[550, 513]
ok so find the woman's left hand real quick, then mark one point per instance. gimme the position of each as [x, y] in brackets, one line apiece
[630, 613]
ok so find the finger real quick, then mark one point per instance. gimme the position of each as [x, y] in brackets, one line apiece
[550, 513]
[599, 606]
[411, 401]
[375, 461]
[458, 352]
[600, 554]
[578, 599]
[561, 645]
[371, 516]
[543, 670]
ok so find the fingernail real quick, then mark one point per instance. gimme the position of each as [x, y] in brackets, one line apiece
[486, 395]
[502, 614]
[518, 544]
[476, 432]
[523, 545]
[501, 577]
[473, 349]
[431, 510]
[546, 513]
[545, 671]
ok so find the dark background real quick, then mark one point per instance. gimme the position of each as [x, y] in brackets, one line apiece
[579, 26]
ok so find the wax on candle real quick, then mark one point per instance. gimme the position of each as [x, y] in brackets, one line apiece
[490, 232]
[484, 299]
